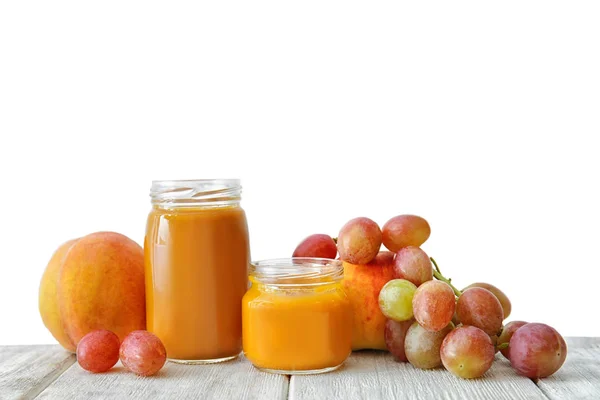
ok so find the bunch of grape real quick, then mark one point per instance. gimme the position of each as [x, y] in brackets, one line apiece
[430, 322]
[141, 352]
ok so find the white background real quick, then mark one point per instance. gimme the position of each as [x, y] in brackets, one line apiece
[479, 116]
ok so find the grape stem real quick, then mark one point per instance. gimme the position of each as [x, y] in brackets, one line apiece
[438, 275]
[334, 240]
[502, 346]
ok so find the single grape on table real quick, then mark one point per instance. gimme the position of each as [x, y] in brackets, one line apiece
[480, 308]
[413, 264]
[433, 305]
[422, 347]
[395, 334]
[98, 351]
[405, 230]
[143, 353]
[537, 350]
[467, 352]
[502, 298]
[507, 333]
[359, 241]
[395, 299]
[317, 245]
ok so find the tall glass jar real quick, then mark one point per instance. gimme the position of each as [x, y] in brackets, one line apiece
[196, 255]
[296, 317]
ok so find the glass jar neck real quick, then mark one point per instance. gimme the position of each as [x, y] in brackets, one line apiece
[296, 273]
[297, 288]
[196, 193]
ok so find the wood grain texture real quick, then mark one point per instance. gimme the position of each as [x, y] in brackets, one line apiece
[26, 370]
[231, 380]
[579, 377]
[51, 373]
[375, 375]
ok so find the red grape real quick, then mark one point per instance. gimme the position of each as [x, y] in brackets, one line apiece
[467, 352]
[422, 347]
[537, 350]
[502, 298]
[413, 264]
[383, 258]
[480, 308]
[359, 241]
[98, 351]
[394, 334]
[507, 333]
[143, 353]
[433, 305]
[318, 245]
[405, 230]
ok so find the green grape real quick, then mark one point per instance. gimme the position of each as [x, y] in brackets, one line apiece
[395, 299]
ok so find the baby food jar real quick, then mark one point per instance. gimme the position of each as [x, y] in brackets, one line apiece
[296, 317]
[196, 255]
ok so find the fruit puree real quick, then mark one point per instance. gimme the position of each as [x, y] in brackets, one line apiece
[296, 329]
[196, 276]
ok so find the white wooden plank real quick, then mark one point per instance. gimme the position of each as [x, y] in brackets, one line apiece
[231, 380]
[579, 377]
[375, 375]
[26, 370]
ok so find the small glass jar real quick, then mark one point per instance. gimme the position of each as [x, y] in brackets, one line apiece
[197, 256]
[296, 317]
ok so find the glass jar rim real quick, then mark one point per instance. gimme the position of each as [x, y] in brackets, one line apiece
[297, 271]
[212, 181]
[194, 192]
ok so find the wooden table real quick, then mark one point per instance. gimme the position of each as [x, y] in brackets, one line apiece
[48, 372]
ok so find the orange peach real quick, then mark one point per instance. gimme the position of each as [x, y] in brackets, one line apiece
[95, 282]
[362, 284]
[48, 298]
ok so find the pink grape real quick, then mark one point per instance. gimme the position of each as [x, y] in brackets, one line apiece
[507, 333]
[383, 258]
[359, 241]
[98, 351]
[422, 347]
[395, 333]
[318, 245]
[405, 230]
[537, 350]
[467, 352]
[480, 308]
[433, 305]
[143, 353]
[413, 264]
[502, 298]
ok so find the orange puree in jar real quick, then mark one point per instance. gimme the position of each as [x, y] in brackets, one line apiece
[293, 323]
[197, 254]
